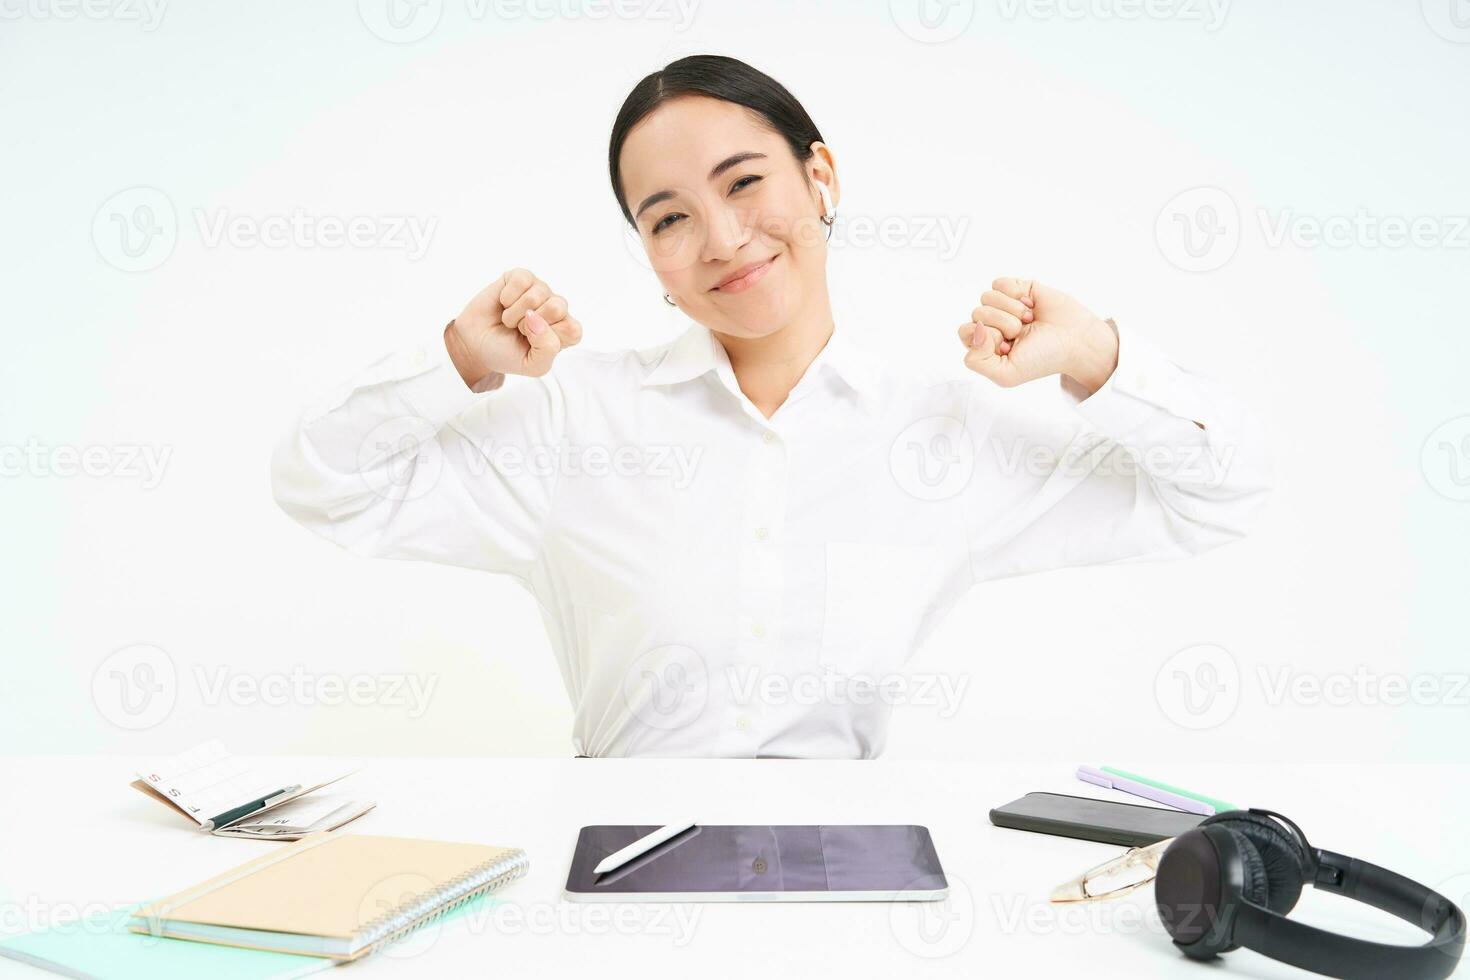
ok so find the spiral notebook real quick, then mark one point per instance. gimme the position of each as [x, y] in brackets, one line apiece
[330, 894]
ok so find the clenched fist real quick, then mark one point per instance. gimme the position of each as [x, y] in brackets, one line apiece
[515, 325]
[1023, 330]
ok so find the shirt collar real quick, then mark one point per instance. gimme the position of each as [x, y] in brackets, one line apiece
[697, 351]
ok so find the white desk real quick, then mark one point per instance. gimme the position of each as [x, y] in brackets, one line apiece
[73, 834]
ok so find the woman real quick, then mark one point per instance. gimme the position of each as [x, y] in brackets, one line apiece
[737, 538]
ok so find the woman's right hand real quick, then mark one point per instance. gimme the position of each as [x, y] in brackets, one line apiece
[516, 325]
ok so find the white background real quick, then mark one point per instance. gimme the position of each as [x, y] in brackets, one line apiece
[1056, 138]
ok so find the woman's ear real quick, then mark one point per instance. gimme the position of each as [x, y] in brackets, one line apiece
[822, 170]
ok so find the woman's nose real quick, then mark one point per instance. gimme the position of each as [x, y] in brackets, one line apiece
[725, 234]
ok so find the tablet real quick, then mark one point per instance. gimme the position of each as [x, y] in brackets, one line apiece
[762, 863]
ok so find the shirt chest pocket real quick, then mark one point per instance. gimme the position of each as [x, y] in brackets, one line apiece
[877, 598]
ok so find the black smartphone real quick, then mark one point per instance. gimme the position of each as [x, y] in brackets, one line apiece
[1101, 820]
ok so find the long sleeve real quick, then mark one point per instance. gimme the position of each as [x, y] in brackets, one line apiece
[404, 461]
[1126, 475]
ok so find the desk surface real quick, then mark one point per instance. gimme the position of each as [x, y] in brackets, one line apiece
[73, 836]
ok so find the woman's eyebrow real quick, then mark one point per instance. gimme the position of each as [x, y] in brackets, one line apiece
[719, 168]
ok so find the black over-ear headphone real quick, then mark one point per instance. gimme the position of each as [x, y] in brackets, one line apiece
[1230, 882]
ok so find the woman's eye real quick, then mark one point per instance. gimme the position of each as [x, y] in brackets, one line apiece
[665, 222]
[742, 182]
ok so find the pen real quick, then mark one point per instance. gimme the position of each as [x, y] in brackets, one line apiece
[245, 809]
[622, 856]
[1095, 776]
[1220, 805]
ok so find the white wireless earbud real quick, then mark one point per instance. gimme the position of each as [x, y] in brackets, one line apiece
[826, 199]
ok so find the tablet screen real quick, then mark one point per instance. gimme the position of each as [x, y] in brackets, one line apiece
[882, 858]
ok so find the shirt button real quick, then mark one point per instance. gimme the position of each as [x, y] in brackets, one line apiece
[758, 631]
[768, 436]
[743, 723]
[761, 534]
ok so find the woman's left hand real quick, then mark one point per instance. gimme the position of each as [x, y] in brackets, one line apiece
[1023, 330]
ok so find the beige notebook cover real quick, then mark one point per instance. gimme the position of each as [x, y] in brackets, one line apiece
[328, 894]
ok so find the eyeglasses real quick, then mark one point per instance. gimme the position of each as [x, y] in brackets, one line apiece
[1130, 870]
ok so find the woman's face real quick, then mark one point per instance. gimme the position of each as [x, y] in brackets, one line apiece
[714, 193]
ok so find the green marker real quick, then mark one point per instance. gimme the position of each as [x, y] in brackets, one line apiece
[1219, 805]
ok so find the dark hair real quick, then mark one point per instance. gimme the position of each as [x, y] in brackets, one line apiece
[717, 77]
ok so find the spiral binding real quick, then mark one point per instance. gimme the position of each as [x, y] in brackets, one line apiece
[425, 908]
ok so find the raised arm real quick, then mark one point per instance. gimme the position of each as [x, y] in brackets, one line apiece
[1153, 461]
[430, 454]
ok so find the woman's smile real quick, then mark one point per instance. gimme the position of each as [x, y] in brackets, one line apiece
[752, 276]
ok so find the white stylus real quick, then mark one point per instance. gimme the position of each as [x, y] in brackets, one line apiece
[640, 846]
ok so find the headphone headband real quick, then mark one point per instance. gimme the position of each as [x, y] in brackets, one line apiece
[1221, 871]
[1334, 954]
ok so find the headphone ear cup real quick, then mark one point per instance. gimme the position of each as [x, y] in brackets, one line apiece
[1283, 862]
[1257, 887]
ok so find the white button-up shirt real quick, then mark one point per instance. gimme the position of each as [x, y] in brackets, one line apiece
[716, 583]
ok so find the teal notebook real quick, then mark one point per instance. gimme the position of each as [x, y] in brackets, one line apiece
[103, 947]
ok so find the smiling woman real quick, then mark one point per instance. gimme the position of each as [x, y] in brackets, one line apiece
[829, 509]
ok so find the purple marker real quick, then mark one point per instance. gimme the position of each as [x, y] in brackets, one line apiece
[1095, 776]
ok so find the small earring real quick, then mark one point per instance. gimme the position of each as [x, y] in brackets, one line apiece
[669, 299]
